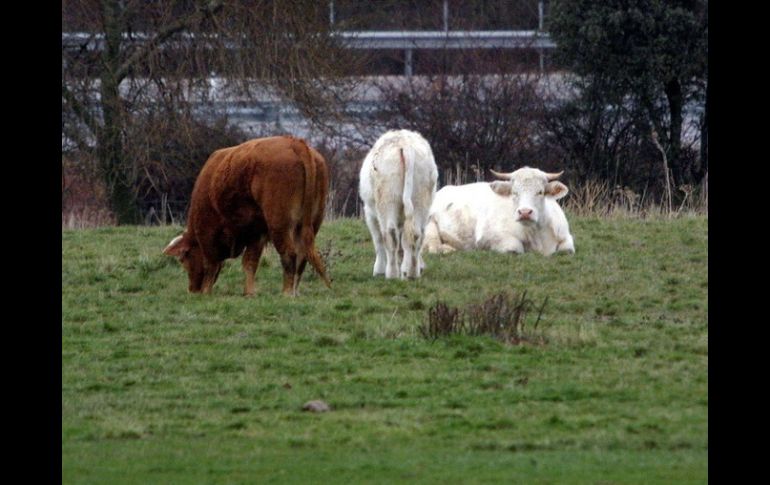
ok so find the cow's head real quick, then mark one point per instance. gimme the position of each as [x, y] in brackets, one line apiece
[528, 188]
[190, 255]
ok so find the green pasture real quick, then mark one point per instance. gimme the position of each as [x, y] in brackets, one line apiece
[162, 386]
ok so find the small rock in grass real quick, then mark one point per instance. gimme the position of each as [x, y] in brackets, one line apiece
[316, 407]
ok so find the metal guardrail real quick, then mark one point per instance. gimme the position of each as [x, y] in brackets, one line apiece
[452, 39]
[374, 39]
[448, 39]
[407, 41]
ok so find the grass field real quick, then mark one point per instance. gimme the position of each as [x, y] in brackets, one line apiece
[161, 386]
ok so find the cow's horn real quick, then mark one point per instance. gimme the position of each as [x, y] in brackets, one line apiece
[504, 176]
[554, 176]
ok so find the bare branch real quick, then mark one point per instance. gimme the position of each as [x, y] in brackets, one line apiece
[164, 34]
[80, 111]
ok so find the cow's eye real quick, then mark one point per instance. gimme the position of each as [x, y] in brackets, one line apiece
[540, 193]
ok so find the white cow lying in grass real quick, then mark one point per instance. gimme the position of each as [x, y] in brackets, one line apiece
[515, 215]
[397, 184]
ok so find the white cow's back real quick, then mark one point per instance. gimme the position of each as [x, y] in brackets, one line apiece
[470, 216]
[397, 192]
[384, 186]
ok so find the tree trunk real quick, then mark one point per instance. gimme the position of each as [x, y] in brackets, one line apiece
[703, 169]
[119, 188]
[673, 91]
[111, 155]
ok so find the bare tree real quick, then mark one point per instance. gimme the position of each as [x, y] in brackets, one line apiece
[127, 59]
[477, 111]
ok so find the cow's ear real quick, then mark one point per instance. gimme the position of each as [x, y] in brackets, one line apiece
[501, 188]
[177, 247]
[557, 190]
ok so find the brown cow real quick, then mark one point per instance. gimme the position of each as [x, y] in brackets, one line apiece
[269, 189]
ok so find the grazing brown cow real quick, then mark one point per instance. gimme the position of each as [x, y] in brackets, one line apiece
[269, 189]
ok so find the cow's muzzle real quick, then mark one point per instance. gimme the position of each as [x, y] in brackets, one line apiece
[525, 215]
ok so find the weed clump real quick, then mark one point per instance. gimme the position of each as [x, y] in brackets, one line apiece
[502, 316]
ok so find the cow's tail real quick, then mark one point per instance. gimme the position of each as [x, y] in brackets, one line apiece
[308, 206]
[407, 163]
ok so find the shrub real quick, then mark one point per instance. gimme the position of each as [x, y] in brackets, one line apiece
[502, 316]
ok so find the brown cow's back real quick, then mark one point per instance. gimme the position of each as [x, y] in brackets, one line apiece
[266, 188]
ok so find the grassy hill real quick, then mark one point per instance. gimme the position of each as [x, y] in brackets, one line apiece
[161, 386]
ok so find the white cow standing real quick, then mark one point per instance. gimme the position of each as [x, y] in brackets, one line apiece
[516, 215]
[397, 184]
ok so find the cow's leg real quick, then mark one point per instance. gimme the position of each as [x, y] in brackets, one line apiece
[391, 251]
[407, 266]
[250, 262]
[298, 276]
[419, 263]
[306, 252]
[284, 245]
[432, 238]
[507, 245]
[289, 263]
[379, 244]
[567, 245]
[410, 241]
[434, 241]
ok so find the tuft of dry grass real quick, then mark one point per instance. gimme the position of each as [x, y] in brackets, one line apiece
[443, 321]
[86, 217]
[599, 199]
[502, 316]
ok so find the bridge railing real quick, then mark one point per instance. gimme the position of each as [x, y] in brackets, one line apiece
[408, 41]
